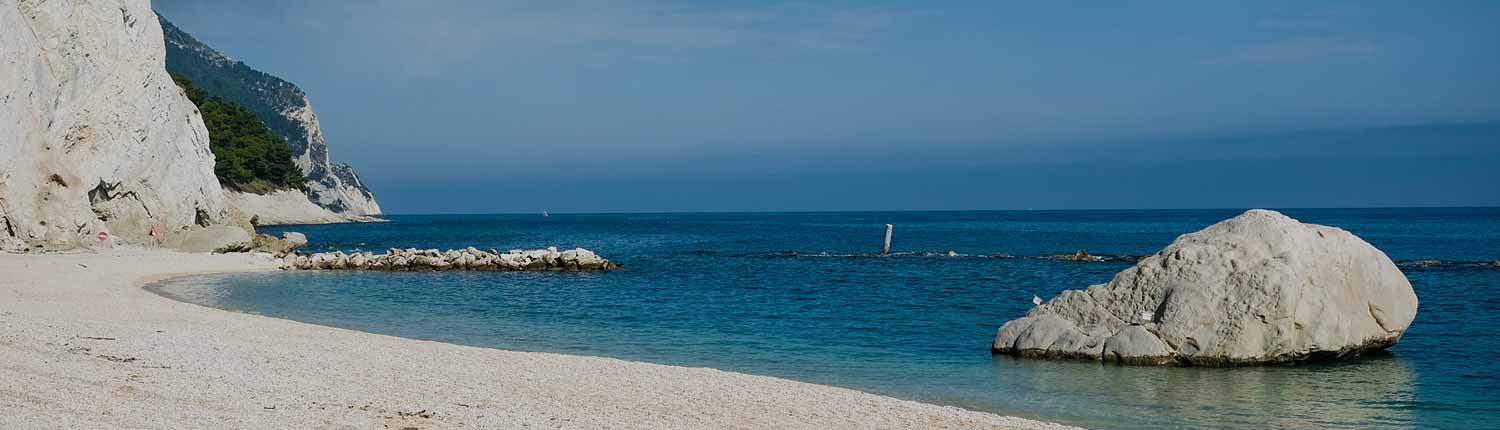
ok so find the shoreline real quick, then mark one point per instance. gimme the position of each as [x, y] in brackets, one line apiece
[356, 220]
[87, 345]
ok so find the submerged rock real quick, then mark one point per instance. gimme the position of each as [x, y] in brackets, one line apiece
[1422, 263]
[1081, 255]
[1258, 288]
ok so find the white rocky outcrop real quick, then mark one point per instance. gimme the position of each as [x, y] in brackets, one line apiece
[282, 207]
[94, 135]
[331, 185]
[1258, 288]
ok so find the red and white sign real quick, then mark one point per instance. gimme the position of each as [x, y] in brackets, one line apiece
[103, 236]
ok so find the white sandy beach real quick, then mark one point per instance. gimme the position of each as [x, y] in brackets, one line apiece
[84, 346]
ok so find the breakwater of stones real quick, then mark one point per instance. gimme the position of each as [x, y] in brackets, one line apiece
[423, 260]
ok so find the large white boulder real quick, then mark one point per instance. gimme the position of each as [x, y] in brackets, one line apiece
[217, 238]
[1258, 288]
[94, 135]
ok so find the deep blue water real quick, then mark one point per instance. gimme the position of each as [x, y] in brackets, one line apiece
[802, 296]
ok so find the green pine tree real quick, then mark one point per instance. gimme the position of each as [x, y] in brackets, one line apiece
[247, 155]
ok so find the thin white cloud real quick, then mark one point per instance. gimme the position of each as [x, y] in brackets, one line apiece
[1296, 50]
[1317, 19]
[405, 39]
[440, 33]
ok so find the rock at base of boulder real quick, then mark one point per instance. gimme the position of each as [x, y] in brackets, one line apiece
[1137, 345]
[1047, 336]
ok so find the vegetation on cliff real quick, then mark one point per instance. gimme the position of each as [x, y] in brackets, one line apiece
[282, 106]
[248, 156]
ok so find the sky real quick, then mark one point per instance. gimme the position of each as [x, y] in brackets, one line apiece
[473, 106]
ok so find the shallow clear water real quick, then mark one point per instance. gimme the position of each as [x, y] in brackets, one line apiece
[801, 296]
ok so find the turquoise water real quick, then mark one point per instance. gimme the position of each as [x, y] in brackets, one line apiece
[802, 296]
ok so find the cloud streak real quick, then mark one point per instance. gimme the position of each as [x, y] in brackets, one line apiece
[1298, 50]
[436, 35]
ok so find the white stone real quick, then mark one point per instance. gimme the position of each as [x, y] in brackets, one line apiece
[295, 239]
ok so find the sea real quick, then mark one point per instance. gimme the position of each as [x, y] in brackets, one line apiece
[807, 296]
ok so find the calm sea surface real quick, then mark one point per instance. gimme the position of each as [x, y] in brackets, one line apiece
[802, 296]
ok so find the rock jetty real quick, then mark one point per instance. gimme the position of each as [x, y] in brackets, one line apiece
[422, 260]
[1255, 289]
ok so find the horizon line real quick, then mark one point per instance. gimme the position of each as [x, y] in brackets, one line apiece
[649, 212]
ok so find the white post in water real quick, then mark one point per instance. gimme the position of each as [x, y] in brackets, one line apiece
[886, 250]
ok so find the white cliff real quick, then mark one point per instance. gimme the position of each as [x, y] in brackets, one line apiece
[330, 185]
[1258, 288]
[94, 135]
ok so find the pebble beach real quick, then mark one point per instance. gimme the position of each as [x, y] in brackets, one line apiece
[85, 346]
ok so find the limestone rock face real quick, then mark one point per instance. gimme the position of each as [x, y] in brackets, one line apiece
[331, 185]
[12, 245]
[284, 108]
[283, 207]
[94, 135]
[1257, 288]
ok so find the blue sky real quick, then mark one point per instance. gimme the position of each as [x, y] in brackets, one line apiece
[494, 106]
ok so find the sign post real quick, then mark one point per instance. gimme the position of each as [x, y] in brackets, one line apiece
[886, 250]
